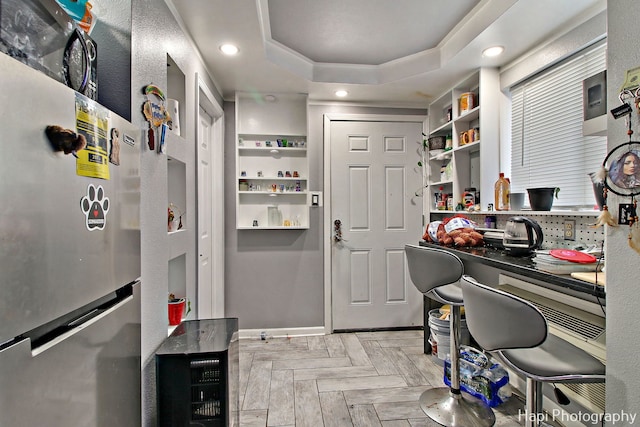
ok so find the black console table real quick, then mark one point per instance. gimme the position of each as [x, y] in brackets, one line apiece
[197, 374]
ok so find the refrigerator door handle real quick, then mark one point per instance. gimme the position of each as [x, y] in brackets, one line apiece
[78, 325]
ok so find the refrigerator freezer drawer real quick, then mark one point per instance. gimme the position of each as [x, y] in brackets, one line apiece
[91, 378]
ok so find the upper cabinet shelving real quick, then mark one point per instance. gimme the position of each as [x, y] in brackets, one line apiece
[468, 116]
[271, 163]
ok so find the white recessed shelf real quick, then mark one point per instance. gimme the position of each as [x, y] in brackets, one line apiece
[272, 166]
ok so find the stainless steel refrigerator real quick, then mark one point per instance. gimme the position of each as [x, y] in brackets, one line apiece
[69, 257]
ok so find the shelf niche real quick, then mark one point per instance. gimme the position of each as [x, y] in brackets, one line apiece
[473, 161]
[271, 149]
[176, 91]
[178, 276]
[176, 191]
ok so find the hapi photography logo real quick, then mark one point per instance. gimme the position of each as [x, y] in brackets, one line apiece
[589, 418]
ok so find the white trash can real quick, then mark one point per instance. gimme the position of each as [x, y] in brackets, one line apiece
[440, 333]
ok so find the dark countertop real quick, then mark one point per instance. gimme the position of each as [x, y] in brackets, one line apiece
[201, 336]
[499, 258]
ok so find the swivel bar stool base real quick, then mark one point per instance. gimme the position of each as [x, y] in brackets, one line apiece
[446, 407]
[450, 406]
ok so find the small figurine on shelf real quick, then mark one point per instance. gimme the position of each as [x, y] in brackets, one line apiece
[171, 218]
[174, 218]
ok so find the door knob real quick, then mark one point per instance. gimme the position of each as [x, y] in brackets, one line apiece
[337, 231]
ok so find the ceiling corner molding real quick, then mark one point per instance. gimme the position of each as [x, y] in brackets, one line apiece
[410, 66]
[345, 73]
[477, 21]
[288, 59]
[321, 72]
[263, 18]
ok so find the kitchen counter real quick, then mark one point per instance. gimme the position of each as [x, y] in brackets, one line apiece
[524, 266]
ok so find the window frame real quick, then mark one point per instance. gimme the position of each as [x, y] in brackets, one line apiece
[547, 108]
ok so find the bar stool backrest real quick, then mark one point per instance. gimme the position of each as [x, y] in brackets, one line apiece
[432, 267]
[498, 320]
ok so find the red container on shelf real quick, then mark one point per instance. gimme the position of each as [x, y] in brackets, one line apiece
[176, 309]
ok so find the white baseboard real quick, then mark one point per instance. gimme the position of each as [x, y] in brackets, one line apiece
[280, 332]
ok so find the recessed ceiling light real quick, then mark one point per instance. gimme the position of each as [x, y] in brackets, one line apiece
[341, 93]
[229, 49]
[492, 51]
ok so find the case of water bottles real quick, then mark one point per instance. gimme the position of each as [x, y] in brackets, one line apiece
[480, 376]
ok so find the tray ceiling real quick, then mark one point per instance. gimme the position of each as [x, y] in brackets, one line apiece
[363, 31]
[392, 52]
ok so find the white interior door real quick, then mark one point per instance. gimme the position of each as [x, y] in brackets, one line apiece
[374, 176]
[205, 177]
[210, 152]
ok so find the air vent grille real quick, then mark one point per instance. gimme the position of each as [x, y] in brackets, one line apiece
[569, 323]
[581, 331]
[594, 393]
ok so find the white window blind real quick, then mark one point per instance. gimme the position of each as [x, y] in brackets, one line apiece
[547, 146]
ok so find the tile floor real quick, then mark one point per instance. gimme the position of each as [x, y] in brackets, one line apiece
[353, 379]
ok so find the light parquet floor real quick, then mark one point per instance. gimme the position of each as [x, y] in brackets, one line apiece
[362, 379]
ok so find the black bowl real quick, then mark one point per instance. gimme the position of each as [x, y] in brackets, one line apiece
[541, 199]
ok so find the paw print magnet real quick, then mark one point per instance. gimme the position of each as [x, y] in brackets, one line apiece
[95, 206]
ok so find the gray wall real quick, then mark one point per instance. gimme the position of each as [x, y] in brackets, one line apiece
[112, 33]
[623, 298]
[275, 278]
[155, 33]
